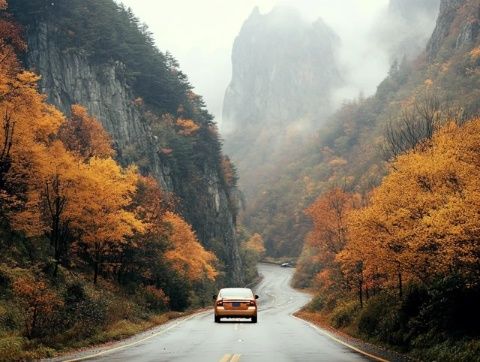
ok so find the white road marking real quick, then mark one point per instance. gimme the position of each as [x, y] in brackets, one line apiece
[376, 358]
[176, 324]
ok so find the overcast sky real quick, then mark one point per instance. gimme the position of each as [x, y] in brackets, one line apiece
[200, 35]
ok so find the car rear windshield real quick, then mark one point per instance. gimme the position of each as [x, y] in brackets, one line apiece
[236, 293]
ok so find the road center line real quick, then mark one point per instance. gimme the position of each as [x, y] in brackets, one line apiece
[226, 358]
[231, 358]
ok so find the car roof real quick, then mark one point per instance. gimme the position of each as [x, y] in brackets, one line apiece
[235, 289]
[236, 292]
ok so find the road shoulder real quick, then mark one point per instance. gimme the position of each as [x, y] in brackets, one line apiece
[373, 352]
[112, 346]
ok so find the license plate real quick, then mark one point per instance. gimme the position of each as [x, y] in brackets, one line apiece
[236, 304]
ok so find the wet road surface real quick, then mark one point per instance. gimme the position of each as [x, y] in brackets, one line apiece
[277, 337]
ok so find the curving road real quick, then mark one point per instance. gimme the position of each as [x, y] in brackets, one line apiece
[278, 336]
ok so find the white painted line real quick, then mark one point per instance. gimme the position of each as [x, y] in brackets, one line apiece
[376, 358]
[176, 324]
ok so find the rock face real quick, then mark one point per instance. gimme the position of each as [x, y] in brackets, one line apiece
[69, 77]
[458, 20]
[283, 72]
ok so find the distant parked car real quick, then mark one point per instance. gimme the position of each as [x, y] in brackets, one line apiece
[286, 265]
[235, 303]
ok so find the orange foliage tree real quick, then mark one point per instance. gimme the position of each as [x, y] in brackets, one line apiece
[85, 136]
[329, 234]
[423, 219]
[186, 255]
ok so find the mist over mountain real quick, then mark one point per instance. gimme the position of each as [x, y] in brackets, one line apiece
[406, 26]
[284, 70]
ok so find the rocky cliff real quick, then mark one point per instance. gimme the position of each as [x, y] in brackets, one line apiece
[70, 76]
[283, 72]
[457, 27]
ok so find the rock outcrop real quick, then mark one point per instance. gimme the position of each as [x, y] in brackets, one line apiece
[70, 77]
[459, 21]
[283, 70]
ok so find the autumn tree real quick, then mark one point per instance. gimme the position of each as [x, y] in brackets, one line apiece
[85, 136]
[421, 221]
[185, 253]
[417, 123]
[142, 259]
[104, 222]
[328, 237]
[256, 244]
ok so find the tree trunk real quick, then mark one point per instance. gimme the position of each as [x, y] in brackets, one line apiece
[95, 272]
[400, 285]
[360, 292]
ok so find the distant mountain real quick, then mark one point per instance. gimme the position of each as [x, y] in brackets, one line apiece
[346, 150]
[283, 72]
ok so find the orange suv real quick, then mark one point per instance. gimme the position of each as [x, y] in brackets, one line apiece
[235, 303]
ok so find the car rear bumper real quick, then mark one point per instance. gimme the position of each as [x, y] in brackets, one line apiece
[235, 313]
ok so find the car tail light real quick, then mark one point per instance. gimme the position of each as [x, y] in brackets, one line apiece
[252, 303]
[220, 302]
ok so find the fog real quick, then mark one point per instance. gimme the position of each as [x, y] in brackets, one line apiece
[200, 34]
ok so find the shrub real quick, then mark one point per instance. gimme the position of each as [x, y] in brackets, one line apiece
[317, 304]
[38, 302]
[379, 318]
[344, 314]
[156, 298]
[11, 348]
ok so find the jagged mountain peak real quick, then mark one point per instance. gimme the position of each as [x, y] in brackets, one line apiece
[284, 70]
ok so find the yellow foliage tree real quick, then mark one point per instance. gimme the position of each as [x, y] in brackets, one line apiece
[186, 255]
[105, 223]
[423, 220]
[187, 127]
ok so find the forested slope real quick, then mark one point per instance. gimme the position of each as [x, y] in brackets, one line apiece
[116, 203]
[98, 54]
[393, 250]
[347, 152]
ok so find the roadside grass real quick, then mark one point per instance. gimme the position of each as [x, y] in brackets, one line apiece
[14, 347]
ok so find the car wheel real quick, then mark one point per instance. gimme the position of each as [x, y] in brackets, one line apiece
[217, 319]
[254, 319]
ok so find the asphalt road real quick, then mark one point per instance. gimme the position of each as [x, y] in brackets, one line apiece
[277, 337]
